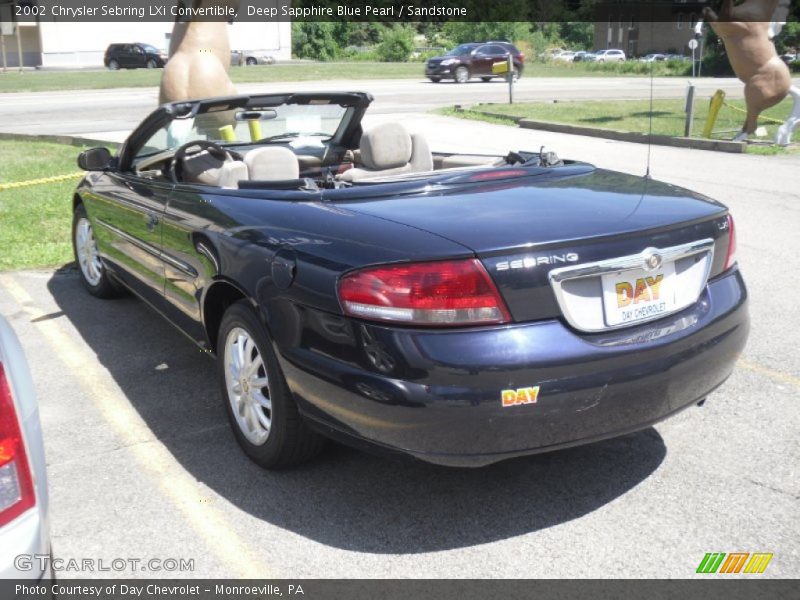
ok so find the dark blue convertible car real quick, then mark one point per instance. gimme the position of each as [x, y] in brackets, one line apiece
[461, 309]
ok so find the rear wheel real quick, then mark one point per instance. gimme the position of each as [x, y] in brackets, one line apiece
[486, 78]
[260, 407]
[251, 61]
[435, 79]
[461, 74]
[113, 65]
[94, 276]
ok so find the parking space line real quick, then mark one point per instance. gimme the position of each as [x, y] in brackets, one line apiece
[767, 372]
[151, 455]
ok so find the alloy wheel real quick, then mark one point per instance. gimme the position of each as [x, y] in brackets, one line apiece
[86, 250]
[247, 386]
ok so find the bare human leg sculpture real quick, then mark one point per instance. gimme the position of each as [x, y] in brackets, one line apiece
[746, 32]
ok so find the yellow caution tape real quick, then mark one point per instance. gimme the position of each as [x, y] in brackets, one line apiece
[19, 184]
[760, 117]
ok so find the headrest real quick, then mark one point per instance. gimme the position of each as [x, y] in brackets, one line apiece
[385, 146]
[272, 163]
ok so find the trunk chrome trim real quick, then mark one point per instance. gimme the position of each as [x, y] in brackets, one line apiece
[560, 275]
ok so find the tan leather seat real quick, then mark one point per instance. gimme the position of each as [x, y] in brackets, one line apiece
[389, 149]
[272, 163]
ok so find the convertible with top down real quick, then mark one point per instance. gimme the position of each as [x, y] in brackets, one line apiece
[458, 308]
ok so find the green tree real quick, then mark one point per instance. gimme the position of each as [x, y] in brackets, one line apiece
[396, 44]
[314, 40]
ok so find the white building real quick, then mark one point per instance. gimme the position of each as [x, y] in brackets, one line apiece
[52, 43]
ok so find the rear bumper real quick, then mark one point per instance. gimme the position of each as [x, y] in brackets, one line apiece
[438, 395]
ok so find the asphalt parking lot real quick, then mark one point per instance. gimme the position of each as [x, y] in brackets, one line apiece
[142, 463]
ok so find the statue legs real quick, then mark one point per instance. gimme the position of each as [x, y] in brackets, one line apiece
[784, 135]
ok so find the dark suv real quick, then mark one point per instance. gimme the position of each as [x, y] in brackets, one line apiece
[482, 60]
[134, 56]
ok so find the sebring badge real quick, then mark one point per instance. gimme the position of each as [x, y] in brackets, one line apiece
[532, 261]
[652, 260]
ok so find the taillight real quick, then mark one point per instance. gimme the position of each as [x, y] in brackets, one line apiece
[16, 483]
[443, 293]
[730, 257]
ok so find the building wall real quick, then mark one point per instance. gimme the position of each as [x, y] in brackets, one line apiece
[29, 38]
[77, 44]
[641, 30]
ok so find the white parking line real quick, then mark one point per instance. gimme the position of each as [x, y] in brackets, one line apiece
[185, 493]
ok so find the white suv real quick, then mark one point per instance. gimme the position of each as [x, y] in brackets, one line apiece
[609, 56]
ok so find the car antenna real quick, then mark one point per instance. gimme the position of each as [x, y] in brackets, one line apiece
[650, 113]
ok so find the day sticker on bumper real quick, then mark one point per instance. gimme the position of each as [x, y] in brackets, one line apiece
[527, 395]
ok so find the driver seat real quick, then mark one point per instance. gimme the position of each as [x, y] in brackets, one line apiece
[203, 168]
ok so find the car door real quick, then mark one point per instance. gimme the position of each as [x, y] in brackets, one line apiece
[481, 61]
[499, 58]
[127, 206]
[126, 211]
[138, 56]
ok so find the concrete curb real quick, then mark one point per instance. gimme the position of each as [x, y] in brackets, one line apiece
[71, 140]
[613, 134]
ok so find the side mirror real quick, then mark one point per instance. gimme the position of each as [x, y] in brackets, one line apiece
[95, 159]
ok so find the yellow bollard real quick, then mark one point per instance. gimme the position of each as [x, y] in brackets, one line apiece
[713, 111]
[226, 133]
[255, 129]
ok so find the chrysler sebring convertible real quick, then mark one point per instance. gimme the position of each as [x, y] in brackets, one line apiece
[459, 308]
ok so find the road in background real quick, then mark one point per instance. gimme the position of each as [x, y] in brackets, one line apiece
[109, 112]
[143, 464]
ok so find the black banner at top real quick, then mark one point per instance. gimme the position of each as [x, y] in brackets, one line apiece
[399, 11]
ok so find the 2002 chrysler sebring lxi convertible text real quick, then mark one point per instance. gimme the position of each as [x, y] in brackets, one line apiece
[459, 308]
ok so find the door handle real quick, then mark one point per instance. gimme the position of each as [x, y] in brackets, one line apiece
[152, 221]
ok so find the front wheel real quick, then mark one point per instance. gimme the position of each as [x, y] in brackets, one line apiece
[486, 78]
[435, 79]
[113, 65]
[251, 61]
[94, 276]
[260, 407]
[151, 64]
[461, 75]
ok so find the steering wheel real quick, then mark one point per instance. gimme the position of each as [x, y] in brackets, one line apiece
[193, 148]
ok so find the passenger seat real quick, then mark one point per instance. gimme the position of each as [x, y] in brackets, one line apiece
[389, 149]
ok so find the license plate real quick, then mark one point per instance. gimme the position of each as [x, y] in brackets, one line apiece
[638, 295]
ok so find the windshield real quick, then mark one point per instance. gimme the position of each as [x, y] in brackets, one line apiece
[151, 49]
[306, 123]
[461, 50]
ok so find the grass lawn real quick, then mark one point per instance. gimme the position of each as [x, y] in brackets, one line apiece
[35, 221]
[629, 115]
[38, 81]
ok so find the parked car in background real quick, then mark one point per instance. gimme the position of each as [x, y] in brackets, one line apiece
[474, 60]
[589, 57]
[580, 56]
[23, 479]
[678, 57]
[611, 55]
[134, 56]
[789, 57]
[251, 57]
[460, 308]
[567, 56]
[653, 58]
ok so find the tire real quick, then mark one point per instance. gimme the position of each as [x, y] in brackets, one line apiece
[151, 64]
[251, 62]
[515, 74]
[435, 79]
[264, 418]
[486, 79]
[113, 65]
[461, 74]
[94, 276]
